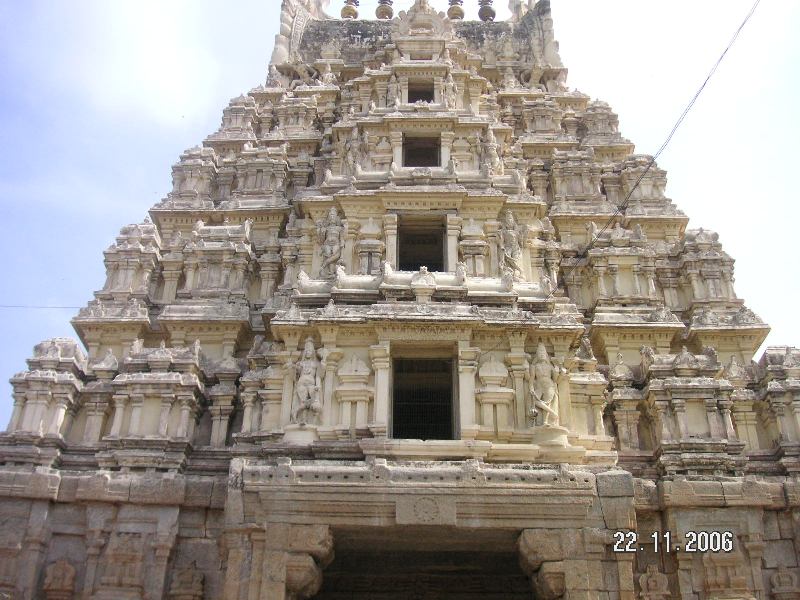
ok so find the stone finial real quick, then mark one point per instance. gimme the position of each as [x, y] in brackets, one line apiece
[384, 10]
[350, 9]
[486, 12]
[456, 12]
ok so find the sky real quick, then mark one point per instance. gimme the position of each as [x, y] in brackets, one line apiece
[98, 98]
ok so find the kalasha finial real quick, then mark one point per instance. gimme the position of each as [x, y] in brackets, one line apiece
[384, 10]
[486, 13]
[455, 11]
[350, 9]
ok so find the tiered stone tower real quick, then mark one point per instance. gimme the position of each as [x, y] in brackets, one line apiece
[416, 322]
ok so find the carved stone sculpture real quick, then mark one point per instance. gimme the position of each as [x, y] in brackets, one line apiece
[511, 240]
[653, 584]
[393, 97]
[450, 92]
[307, 403]
[331, 237]
[544, 386]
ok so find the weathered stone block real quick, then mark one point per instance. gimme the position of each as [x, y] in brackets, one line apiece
[612, 484]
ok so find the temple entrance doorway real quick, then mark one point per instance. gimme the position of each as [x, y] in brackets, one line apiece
[424, 563]
[423, 399]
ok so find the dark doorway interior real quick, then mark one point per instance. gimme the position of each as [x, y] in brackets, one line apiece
[421, 90]
[421, 244]
[423, 399]
[359, 575]
[422, 152]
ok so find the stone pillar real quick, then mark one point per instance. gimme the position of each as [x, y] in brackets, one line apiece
[162, 548]
[448, 137]
[137, 403]
[679, 408]
[697, 285]
[715, 428]
[626, 416]
[467, 366]
[518, 365]
[390, 233]
[615, 287]
[381, 365]
[637, 283]
[288, 391]
[600, 275]
[120, 404]
[475, 92]
[34, 547]
[663, 419]
[396, 139]
[163, 421]
[220, 417]
[270, 267]
[491, 228]
[352, 228]
[598, 405]
[453, 233]
[16, 414]
[35, 409]
[185, 425]
[95, 415]
[271, 400]
[746, 422]
[263, 409]
[248, 395]
[328, 403]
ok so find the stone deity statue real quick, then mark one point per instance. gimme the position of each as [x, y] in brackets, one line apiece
[393, 95]
[544, 387]
[511, 240]
[328, 77]
[450, 92]
[654, 585]
[331, 236]
[491, 156]
[307, 401]
[353, 152]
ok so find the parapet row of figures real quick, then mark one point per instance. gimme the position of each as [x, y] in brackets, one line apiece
[669, 413]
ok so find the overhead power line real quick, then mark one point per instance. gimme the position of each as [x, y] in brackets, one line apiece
[624, 205]
[33, 307]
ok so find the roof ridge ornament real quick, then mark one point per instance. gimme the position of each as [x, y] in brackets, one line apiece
[456, 12]
[487, 12]
[422, 20]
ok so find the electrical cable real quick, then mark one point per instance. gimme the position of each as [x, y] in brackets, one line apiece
[624, 204]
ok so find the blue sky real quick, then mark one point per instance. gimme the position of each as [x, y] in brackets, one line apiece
[98, 98]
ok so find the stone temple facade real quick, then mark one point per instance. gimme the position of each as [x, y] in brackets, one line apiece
[415, 323]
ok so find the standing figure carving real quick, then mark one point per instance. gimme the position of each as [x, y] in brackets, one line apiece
[353, 152]
[511, 239]
[654, 584]
[450, 92]
[307, 401]
[491, 156]
[544, 387]
[331, 237]
[393, 98]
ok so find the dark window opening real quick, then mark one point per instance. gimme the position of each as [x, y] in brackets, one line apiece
[423, 399]
[422, 152]
[421, 91]
[420, 243]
